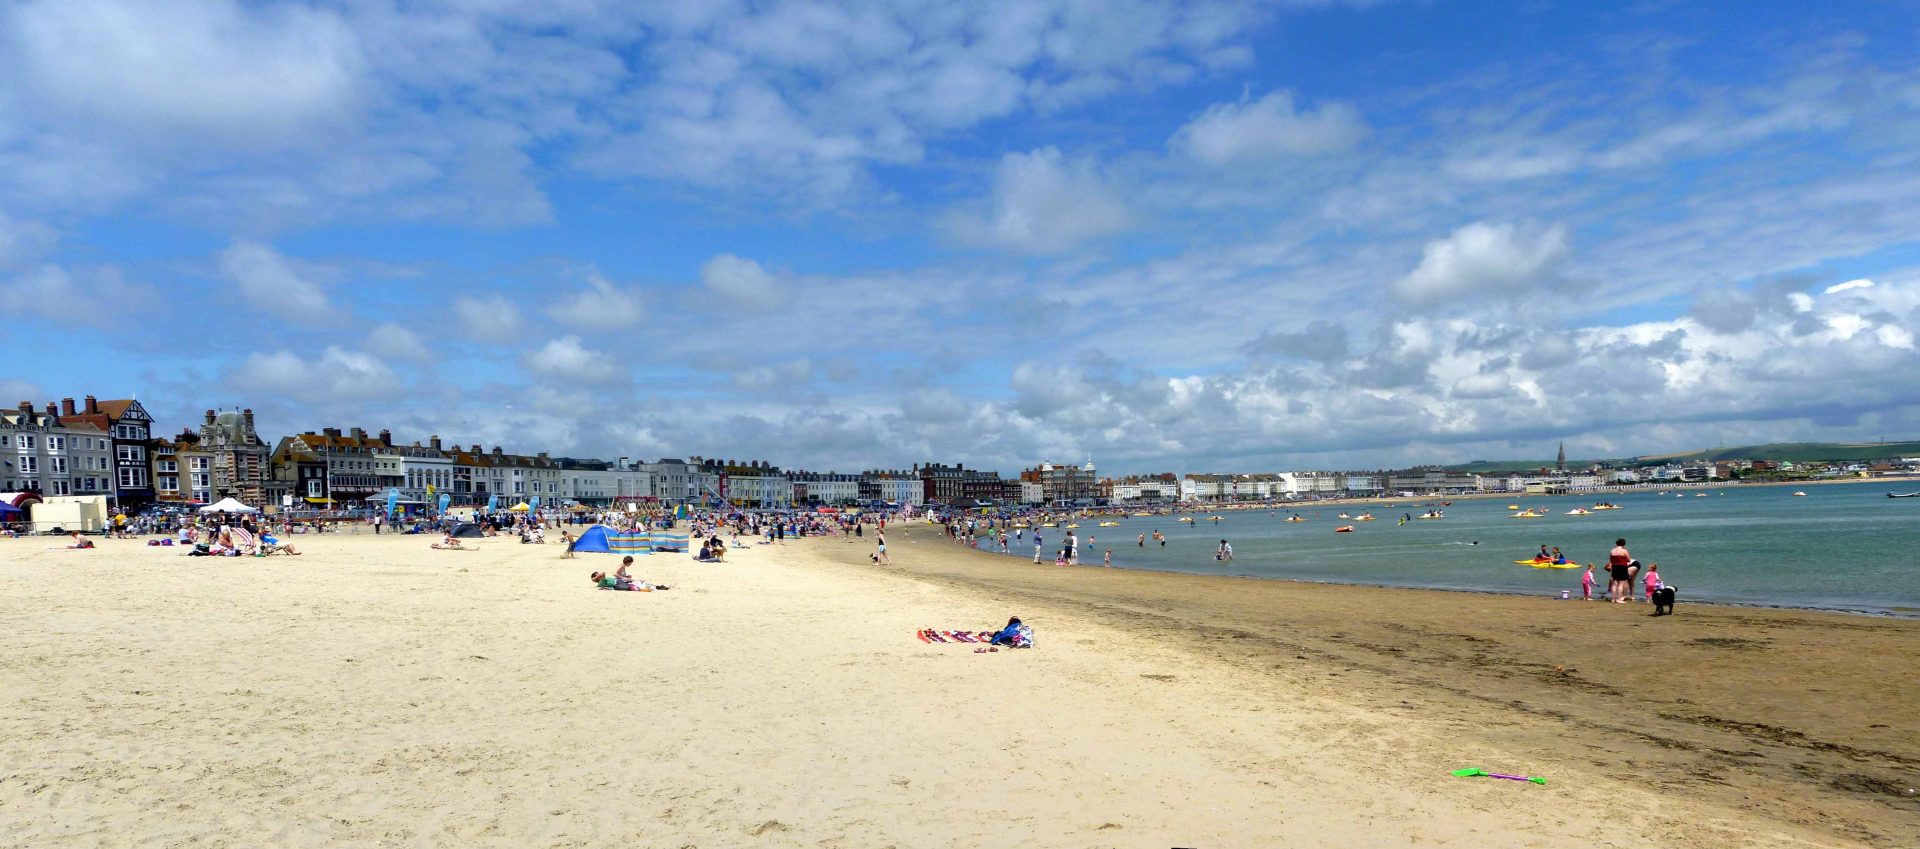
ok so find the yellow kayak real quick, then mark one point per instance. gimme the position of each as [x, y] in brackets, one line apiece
[1546, 564]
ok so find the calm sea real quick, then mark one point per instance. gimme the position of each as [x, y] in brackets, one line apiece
[1845, 547]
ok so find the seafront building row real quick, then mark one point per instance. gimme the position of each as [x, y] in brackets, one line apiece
[111, 448]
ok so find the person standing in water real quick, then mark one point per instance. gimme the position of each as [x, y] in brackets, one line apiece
[1620, 573]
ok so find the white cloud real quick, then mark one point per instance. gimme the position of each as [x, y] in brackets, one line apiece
[1483, 259]
[22, 241]
[95, 297]
[491, 319]
[200, 72]
[391, 340]
[743, 283]
[600, 305]
[1043, 203]
[565, 359]
[1850, 284]
[1269, 127]
[270, 282]
[338, 375]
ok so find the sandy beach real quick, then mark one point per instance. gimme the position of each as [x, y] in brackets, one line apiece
[373, 692]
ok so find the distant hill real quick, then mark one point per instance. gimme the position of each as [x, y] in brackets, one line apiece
[1791, 452]
[1797, 452]
[1487, 467]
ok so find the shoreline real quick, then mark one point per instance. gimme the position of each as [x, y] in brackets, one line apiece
[1796, 714]
[1878, 613]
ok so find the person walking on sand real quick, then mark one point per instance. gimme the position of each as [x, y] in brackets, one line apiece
[1586, 584]
[1620, 571]
[881, 540]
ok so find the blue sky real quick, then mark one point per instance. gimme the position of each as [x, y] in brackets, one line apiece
[1223, 235]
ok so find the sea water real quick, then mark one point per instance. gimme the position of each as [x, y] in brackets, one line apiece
[1846, 547]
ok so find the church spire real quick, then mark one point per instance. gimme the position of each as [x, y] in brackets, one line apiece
[1560, 463]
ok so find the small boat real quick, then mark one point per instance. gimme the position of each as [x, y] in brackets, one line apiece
[1050, 525]
[1799, 494]
[1186, 518]
[1699, 495]
[1364, 517]
[1071, 527]
[1578, 512]
[1528, 514]
[1903, 495]
[1513, 507]
[1343, 529]
[1546, 564]
[1432, 515]
[1109, 524]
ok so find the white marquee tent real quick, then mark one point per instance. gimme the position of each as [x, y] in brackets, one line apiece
[227, 505]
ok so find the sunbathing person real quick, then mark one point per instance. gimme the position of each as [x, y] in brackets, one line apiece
[448, 543]
[271, 545]
[79, 542]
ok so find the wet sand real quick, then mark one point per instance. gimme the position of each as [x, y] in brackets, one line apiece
[1806, 717]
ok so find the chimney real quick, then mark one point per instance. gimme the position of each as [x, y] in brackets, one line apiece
[209, 417]
[386, 436]
[358, 433]
[66, 407]
[333, 432]
[93, 406]
[435, 442]
[543, 455]
[53, 410]
[26, 408]
[496, 451]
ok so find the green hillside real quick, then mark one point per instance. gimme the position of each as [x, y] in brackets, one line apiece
[1799, 452]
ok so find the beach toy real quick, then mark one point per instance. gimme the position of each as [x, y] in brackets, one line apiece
[1476, 772]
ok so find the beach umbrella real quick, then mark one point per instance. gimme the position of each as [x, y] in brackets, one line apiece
[520, 508]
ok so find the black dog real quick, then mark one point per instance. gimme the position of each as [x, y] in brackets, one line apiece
[1663, 601]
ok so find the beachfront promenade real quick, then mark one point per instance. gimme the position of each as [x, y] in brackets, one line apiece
[375, 692]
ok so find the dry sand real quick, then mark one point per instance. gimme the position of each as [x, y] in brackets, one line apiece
[374, 692]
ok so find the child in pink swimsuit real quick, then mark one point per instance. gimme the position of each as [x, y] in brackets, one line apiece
[1653, 580]
[1586, 584]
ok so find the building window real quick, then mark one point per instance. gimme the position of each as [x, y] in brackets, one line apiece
[132, 454]
[60, 487]
[168, 466]
[169, 483]
[201, 480]
[133, 478]
[29, 465]
[26, 442]
[56, 443]
[86, 484]
[313, 488]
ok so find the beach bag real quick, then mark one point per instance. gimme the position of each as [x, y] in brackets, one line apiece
[1022, 637]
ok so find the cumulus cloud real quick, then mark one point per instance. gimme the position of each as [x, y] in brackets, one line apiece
[565, 359]
[95, 297]
[600, 305]
[337, 375]
[1484, 259]
[270, 282]
[742, 283]
[1041, 203]
[1268, 127]
[22, 241]
[490, 319]
[396, 342]
[215, 72]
